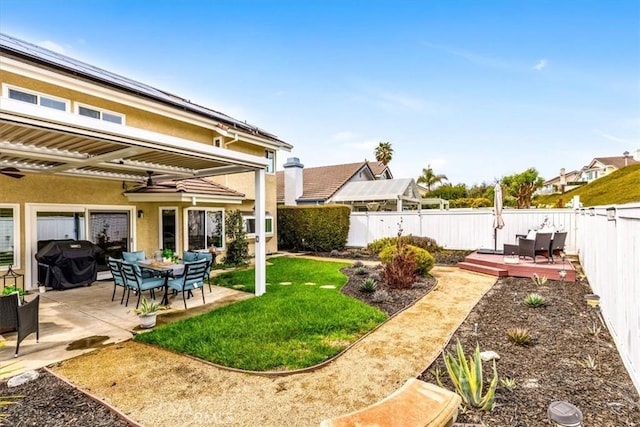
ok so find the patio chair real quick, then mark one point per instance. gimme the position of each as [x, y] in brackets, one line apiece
[133, 258]
[136, 282]
[535, 247]
[118, 280]
[192, 278]
[191, 256]
[21, 318]
[557, 244]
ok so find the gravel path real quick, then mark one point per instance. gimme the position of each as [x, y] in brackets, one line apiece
[160, 388]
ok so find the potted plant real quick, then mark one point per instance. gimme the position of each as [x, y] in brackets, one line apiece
[147, 313]
[167, 255]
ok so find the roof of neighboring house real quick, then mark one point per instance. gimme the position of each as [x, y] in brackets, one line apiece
[79, 69]
[567, 176]
[378, 168]
[378, 190]
[196, 186]
[617, 161]
[320, 183]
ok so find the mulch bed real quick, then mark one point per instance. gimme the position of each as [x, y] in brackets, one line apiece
[398, 299]
[555, 367]
[50, 402]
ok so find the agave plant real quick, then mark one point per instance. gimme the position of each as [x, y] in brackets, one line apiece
[466, 376]
[534, 300]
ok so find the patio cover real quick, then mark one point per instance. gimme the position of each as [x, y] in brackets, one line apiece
[378, 191]
[47, 141]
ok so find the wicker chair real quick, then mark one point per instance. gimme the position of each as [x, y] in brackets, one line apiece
[533, 248]
[557, 244]
[21, 318]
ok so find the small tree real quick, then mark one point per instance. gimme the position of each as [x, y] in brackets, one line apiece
[237, 244]
[522, 185]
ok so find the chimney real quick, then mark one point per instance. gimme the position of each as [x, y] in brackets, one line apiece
[293, 180]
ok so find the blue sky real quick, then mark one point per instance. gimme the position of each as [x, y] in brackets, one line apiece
[476, 89]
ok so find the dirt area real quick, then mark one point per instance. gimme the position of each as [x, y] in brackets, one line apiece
[552, 368]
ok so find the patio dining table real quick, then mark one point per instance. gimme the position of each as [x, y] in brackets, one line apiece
[166, 270]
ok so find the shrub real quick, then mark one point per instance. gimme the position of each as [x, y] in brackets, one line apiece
[358, 264]
[368, 285]
[314, 228]
[478, 202]
[423, 259]
[237, 244]
[426, 243]
[361, 271]
[400, 270]
[466, 376]
[534, 300]
[519, 336]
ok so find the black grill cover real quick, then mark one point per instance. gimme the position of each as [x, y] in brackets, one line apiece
[65, 264]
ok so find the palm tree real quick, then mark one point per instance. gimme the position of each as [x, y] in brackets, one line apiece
[429, 178]
[384, 153]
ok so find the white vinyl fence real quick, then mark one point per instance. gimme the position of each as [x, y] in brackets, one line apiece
[608, 248]
[458, 228]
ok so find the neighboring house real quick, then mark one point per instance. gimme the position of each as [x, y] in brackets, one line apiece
[560, 183]
[90, 155]
[298, 185]
[601, 166]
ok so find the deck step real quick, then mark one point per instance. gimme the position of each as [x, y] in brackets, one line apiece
[480, 268]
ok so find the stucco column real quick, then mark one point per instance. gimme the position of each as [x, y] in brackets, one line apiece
[260, 245]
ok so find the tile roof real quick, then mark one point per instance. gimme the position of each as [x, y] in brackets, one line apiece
[322, 182]
[199, 186]
[617, 161]
[378, 168]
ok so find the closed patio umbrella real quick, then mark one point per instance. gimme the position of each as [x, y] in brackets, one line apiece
[498, 222]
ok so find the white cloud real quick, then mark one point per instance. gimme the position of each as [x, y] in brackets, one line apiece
[473, 57]
[541, 64]
[403, 101]
[609, 136]
[48, 44]
[364, 145]
[345, 136]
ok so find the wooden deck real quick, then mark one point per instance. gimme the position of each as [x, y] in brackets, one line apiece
[496, 266]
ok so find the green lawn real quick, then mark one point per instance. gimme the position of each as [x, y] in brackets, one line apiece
[292, 326]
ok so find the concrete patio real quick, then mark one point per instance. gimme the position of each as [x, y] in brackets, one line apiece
[77, 321]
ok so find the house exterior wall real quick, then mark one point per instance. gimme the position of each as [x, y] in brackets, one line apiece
[57, 189]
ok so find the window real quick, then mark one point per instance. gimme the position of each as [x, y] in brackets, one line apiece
[168, 228]
[9, 229]
[271, 156]
[38, 99]
[205, 228]
[99, 114]
[250, 225]
[217, 141]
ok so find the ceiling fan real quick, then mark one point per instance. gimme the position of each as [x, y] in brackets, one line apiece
[149, 180]
[11, 172]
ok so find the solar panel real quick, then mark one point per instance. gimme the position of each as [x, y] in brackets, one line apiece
[19, 46]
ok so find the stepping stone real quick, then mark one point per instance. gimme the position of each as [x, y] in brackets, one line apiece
[310, 284]
[267, 284]
[328, 287]
[238, 286]
[285, 283]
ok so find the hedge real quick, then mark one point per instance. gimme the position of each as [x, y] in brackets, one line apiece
[313, 228]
